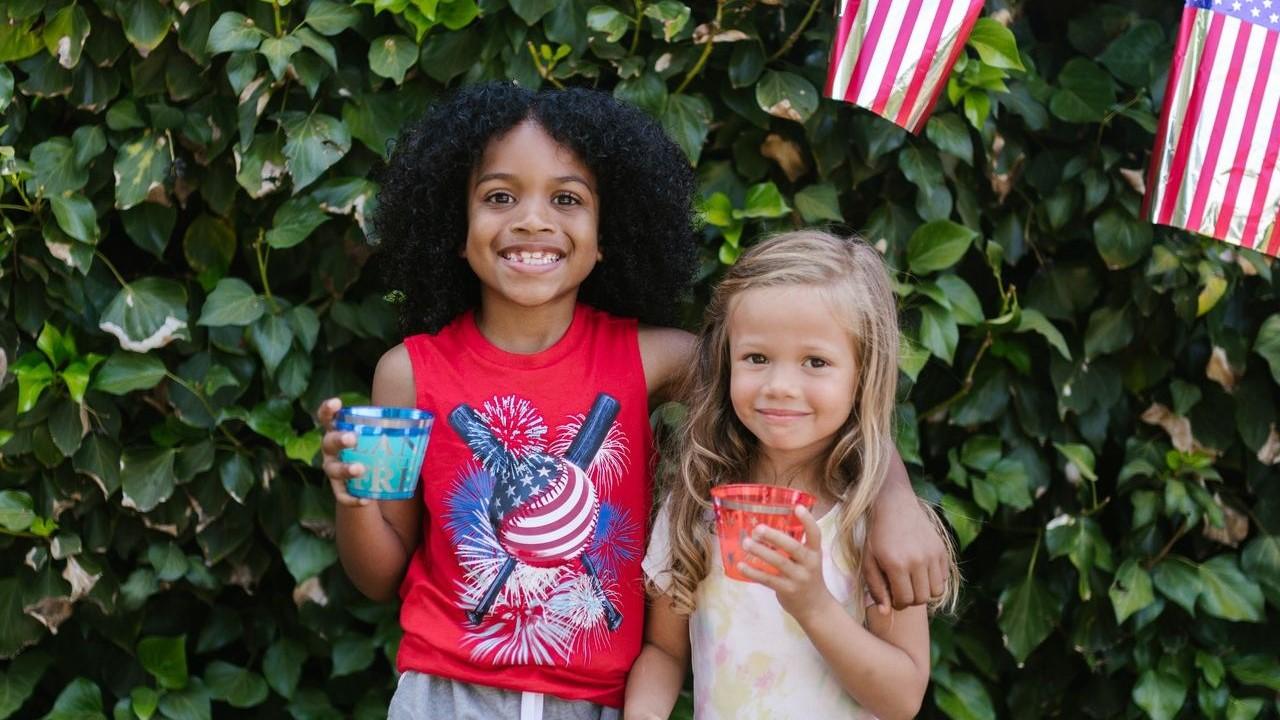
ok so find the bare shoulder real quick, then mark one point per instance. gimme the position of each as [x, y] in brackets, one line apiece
[393, 379]
[664, 353]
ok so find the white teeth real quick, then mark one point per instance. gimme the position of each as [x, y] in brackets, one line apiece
[532, 258]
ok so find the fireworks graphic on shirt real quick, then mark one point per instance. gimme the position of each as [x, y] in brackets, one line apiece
[534, 613]
[610, 461]
[516, 423]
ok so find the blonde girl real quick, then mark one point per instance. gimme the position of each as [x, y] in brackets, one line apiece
[793, 384]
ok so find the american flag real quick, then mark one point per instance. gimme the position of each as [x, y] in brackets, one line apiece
[893, 56]
[1213, 170]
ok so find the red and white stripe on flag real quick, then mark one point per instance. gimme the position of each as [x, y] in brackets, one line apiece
[893, 57]
[1213, 170]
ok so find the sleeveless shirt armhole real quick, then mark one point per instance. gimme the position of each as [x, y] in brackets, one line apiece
[416, 347]
[657, 559]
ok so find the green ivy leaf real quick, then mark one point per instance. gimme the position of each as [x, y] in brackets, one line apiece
[786, 95]
[329, 17]
[1228, 593]
[669, 14]
[6, 86]
[64, 35]
[125, 372]
[148, 477]
[76, 217]
[189, 703]
[147, 314]
[1080, 456]
[233, 32]
[605, 19]
[965, 305]
[1110, 329]
[314, 142]
[19, 681]
[1026, 616]
[963, 697]
[1160, 694]
[165, 658]
[18, 41]
[1121, 239]
[34, 376]
[939, 332]
[1267, 344]
[305, 554]
[16, 510]
[272, 337]
[390, 56]
[282, 666]
[209, 246]
[937, 246]
[531, 11]
[232, 302]
[1131, 590]
[278, 51]
[995, 44]
[99, 458]
[239, 687]
[79, 700]
[294, 221]
[819, 202]
[1258, 670]
[141, 169]
[1035, 321]
[149, 226]
[1086, 92]
[146, 23]
[647, 90]
[144, 702]
[351, 653]
[951, 136]
[1130, 56]
[54, 168]
[763, 201]
[687, 120]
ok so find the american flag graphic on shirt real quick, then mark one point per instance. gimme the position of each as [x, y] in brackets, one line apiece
[1214, 167]
[893, 57]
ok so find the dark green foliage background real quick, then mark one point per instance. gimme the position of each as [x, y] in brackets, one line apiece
[1091, 400]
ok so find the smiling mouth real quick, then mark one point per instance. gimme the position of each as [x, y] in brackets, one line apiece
[523, 257]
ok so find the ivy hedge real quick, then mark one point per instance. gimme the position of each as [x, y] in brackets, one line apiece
[186, 185]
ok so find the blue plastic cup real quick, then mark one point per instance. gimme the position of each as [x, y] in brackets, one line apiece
[390, 443]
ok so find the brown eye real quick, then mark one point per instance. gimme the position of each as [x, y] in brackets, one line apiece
[756, 359]
[566, 199]
[500, 197]
[816, 362]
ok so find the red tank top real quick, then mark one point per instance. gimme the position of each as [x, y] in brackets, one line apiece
[537, 490]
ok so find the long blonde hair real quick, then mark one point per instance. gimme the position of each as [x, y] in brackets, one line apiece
[715, 447]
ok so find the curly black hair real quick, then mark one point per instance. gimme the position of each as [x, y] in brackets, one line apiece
[645, 183]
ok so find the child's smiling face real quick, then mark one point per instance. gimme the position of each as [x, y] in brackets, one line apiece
[532, 220]
[793, 372]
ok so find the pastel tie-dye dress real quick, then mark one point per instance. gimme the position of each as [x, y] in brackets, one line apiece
[750, 658]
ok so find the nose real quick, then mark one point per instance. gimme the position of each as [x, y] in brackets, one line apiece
[779, 382]
[532, 219]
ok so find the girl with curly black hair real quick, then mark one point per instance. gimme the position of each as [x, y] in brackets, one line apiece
[541, 242]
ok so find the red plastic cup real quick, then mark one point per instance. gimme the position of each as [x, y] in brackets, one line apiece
[741, 507]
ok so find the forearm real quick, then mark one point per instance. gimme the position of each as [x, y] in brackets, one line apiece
[372, 553]
[880, 676]
[653, 684]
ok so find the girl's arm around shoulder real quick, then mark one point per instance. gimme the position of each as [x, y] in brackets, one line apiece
[658, 673]
[376, 539]
[665, 353]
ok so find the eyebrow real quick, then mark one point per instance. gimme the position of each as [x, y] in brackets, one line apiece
[561, 179]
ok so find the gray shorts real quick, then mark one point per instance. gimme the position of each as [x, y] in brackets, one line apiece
[427, 697]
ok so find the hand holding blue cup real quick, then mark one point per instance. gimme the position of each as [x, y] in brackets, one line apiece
[390, 443]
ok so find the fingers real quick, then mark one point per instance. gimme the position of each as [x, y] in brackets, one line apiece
[327, 410]
[919, 586]
[903, 594]
[877, 584]
[767, 554]
[334, 441]
[937, 580]
[769, 580]
[812, 533]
